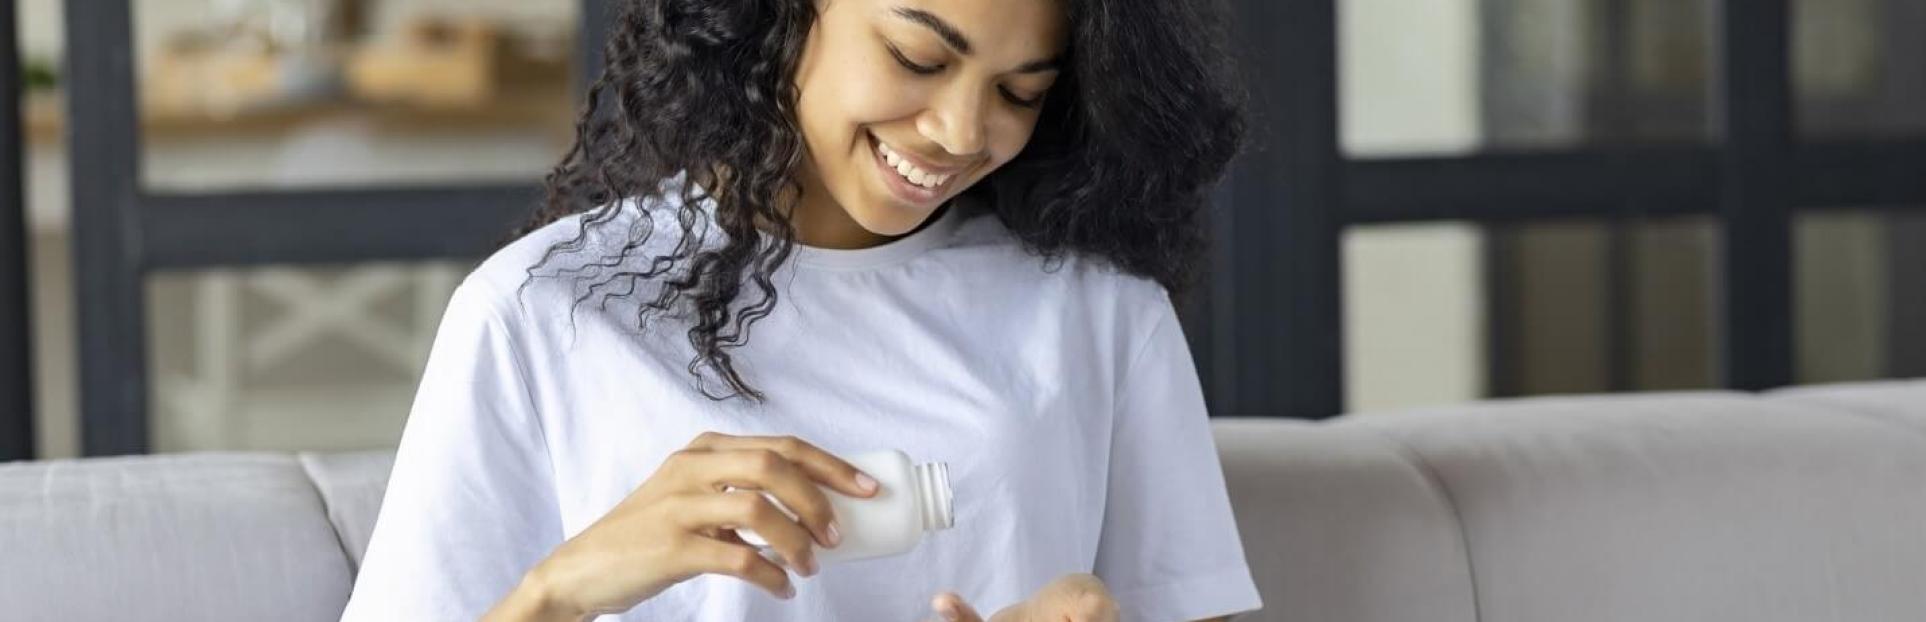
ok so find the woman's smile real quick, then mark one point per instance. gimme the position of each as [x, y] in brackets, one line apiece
[911, 179]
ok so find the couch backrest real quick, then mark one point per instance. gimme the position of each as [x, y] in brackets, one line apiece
[1796, 505]
[1799, 505]
[169, 537]
[350, 485]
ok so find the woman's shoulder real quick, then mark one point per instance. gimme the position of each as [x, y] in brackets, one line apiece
[599, 238]
[581, 244]
[985, 235]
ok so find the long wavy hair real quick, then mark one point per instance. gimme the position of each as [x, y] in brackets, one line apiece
[1140, 123]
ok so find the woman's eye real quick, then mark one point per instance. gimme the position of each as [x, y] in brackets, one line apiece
[1026, 103]
[910, 65]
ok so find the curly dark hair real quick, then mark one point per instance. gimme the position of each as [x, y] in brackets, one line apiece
[1140, 123]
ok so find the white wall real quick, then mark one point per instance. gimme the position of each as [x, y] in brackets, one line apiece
[1413, 294]
[1409, 78]
[1414, 327]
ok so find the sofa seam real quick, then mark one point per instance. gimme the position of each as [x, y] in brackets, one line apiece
[1437, 484]
[327, 514]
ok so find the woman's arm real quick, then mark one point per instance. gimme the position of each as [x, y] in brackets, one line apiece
[532, 601]
[673, 526]
[1168, 544]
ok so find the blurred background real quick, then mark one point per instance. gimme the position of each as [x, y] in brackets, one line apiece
[276, 197]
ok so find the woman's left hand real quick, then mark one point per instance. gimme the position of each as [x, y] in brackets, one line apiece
[1072, 598]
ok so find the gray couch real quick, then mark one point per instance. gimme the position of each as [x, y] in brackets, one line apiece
[1799, 505]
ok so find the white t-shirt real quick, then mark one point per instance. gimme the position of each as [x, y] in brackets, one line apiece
[1063, 398]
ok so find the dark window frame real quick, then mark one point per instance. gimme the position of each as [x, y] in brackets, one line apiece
[16, 306]
[1754, 178]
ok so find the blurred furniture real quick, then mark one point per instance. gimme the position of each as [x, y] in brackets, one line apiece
[1796, 505]
[436, 74]
[221, 401]
[204, 537]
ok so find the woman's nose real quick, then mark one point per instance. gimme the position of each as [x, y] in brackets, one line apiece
[956, 123]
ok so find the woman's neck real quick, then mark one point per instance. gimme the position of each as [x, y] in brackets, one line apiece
[822, 223]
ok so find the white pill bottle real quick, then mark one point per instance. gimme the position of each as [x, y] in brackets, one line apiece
[912, 500]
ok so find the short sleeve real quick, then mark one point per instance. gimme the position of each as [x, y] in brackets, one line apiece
[1169, 550]
[470, 504]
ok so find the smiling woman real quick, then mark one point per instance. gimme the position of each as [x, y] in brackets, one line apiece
[909, 109]
[973, 214]
[1088, 126]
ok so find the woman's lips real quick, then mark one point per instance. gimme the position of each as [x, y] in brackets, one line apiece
[902, 188]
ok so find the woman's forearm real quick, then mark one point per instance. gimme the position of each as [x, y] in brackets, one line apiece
[532, 601]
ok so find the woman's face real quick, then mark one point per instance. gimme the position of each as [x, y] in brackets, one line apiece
[906, 103]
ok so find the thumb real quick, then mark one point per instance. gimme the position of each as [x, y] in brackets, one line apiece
[951, 608]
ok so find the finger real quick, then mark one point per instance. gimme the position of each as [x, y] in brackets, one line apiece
[953, 608]
[768, 471]
[820, 465]
[743, 562]
[1090, 607]
[1080, 597]
[748, 509]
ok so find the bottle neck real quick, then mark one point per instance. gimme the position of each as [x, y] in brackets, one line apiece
[933, 495]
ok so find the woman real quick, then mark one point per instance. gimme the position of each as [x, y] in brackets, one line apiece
[953, 226]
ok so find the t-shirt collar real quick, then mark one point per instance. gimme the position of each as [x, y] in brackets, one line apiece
[892, 252]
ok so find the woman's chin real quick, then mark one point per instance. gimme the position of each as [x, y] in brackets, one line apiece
[889, 220]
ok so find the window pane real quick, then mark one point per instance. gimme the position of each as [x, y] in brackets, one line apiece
[286, 358]
[1441, 313]
[306, 93]
[1456, 76]
[1907, 318]
[1554, 307]
[1858, 301]
[1859, 67]
[1414, 309]
[1588, 306]
[1674, 291]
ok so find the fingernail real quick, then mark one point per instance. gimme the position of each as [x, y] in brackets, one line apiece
[835, 537]
[948, 609]
[865, 482]
[788, 591]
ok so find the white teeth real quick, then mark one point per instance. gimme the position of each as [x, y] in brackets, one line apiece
[908, 171]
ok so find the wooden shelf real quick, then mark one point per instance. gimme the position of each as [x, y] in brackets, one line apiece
[551, 109]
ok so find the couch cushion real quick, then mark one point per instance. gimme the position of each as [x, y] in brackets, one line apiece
[1678, 507]
[189, 537]
[351, 484]
[1340, 526]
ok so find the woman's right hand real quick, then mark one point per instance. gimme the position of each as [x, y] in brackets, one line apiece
[680, 523]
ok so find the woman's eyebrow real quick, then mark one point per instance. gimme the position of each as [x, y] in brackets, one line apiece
[943, 29]
[1040, 66]
[955, 39]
